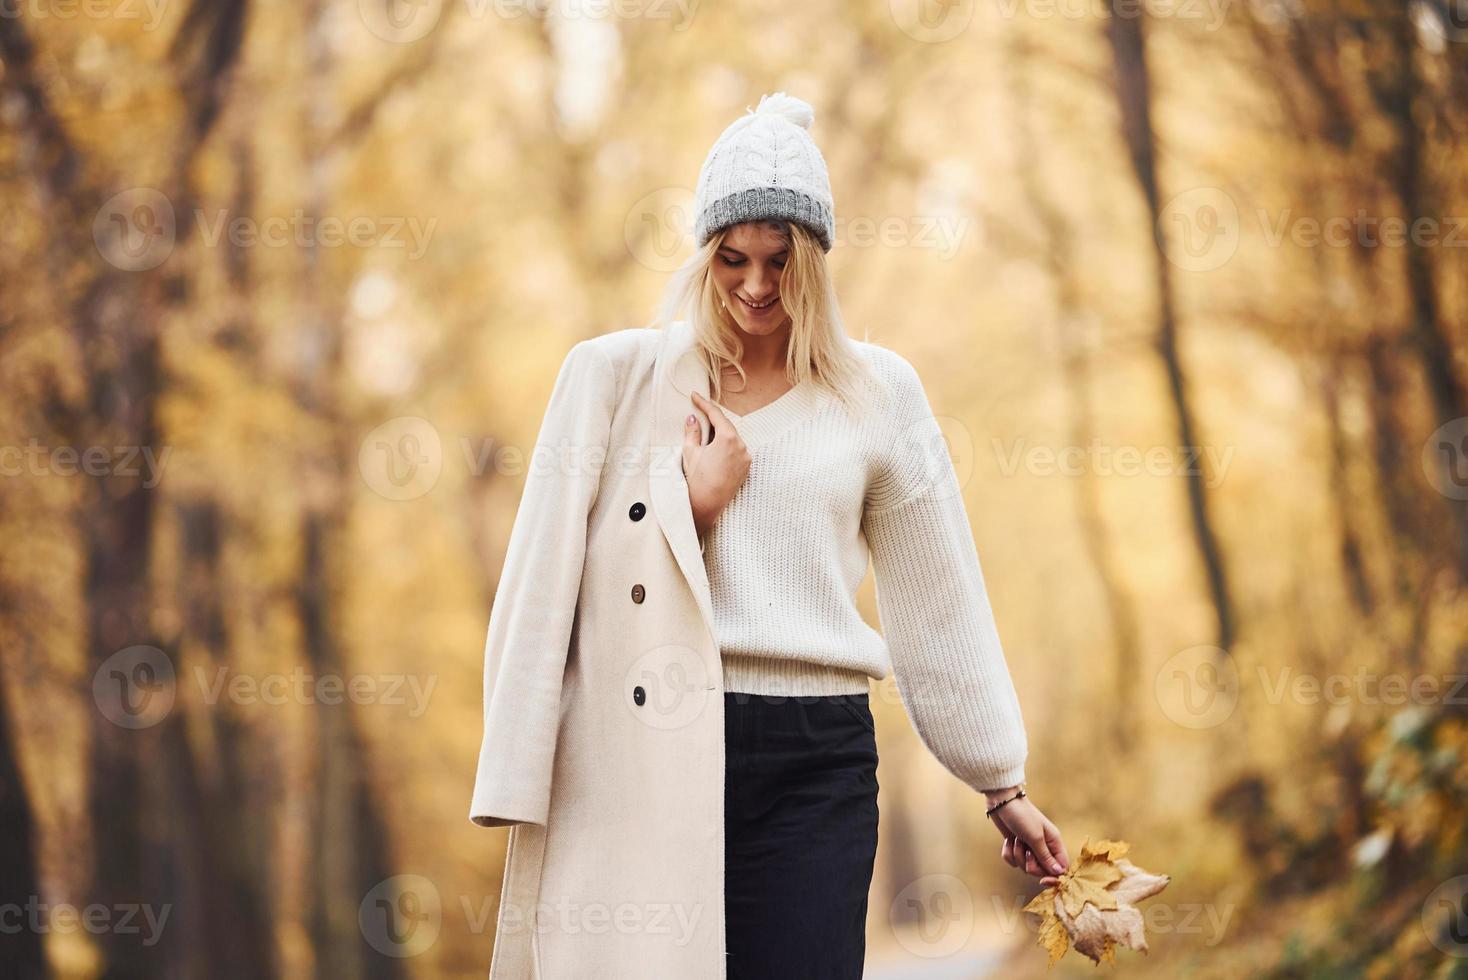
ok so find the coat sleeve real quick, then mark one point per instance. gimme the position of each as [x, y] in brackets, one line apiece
[935, 615]
[535, 604]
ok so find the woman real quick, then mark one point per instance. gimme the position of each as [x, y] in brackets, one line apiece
[751, 677]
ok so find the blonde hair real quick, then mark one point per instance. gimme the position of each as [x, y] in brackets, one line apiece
[819, 348]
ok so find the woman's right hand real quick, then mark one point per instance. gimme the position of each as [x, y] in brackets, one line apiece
[714, 471]
[1031, 840]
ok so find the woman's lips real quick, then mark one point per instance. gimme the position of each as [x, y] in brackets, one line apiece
[757, 310]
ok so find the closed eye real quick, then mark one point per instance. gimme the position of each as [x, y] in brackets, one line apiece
[779, 263]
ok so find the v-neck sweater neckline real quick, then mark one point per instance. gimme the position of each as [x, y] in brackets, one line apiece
[763, 424]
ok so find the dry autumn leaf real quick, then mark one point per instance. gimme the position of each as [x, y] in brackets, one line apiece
[1093, 906]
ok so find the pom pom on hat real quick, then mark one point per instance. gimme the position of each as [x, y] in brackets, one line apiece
[795, 110]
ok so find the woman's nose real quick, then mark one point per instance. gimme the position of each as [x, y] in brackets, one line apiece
[760, 286]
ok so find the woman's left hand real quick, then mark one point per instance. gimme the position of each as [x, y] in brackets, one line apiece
[1031, 840]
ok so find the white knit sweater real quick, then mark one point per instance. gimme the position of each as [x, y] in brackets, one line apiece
[826, 492]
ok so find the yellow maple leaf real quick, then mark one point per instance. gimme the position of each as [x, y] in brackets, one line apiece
[1093, 906]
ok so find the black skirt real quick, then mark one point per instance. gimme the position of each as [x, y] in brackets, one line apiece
[800, 834]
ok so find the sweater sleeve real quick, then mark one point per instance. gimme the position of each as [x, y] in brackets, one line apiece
[535, 603]
[946, 656]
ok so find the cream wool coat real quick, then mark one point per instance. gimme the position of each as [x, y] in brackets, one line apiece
[603, 745]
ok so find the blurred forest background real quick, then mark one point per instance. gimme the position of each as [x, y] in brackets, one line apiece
[283, 290]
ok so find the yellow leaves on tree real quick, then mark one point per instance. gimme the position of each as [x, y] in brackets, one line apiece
[1093, 906]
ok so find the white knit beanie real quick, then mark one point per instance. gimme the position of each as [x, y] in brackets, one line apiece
[765, 165]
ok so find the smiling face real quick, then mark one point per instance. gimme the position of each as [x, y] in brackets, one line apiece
[747, 272]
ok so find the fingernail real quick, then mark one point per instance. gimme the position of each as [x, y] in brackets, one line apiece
[691, 420]
[1057, 869]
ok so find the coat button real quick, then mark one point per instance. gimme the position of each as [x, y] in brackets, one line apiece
[638, 593]
[637, 511]
[639, 695]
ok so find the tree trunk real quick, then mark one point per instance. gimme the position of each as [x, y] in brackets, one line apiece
[1426, 334]
[349, 843]
[1060, 263]
[24, 953]
[1134, 99]
[234, 923]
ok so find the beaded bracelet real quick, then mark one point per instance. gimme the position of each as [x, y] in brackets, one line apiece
[990, 812]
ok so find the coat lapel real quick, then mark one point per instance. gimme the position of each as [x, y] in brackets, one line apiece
[676, 374]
